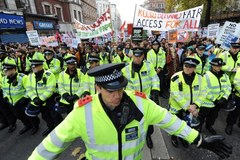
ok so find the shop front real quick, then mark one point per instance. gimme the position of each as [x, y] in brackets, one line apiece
[12, 28]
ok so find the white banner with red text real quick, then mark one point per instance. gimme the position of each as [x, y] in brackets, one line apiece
[187, 20]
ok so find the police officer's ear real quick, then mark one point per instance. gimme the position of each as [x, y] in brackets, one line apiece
[98, 88]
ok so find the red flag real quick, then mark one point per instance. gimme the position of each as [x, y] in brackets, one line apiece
[122, 26]
[58, 37]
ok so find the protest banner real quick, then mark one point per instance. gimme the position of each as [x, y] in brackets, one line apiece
[99, 28]
[48, 41]
[213, 30]
[75, 42]
[227, 43]
[228, 28]
[187, 20]
[183, 36]
[204, 31]
[33, 37]
[137, 34]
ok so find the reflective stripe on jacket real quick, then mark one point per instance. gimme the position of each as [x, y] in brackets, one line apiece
[144, 81]
[91, 123]
[182, 95]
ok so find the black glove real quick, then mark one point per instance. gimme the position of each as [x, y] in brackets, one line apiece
[65, 96]
[72, 99]
[6, 99]
[38, 101]
[215, 144]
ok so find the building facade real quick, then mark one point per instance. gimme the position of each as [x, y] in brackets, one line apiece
[89, 11]
[102, 6]
[155, 5]
[116, 20]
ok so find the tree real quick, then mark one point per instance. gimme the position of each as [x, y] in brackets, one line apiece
[211, 7]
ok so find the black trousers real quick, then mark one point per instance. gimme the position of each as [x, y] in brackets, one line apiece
[19, 112]
[235, 114]
[208, 114]
[162, 77]
[6, 113]
[50, 102]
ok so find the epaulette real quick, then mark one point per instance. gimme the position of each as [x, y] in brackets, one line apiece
[174, 78]
[85, 100]
[140, 94]
[48, 73]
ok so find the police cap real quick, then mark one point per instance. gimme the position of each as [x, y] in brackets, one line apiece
[119, 47]
[138, 51]
[217, 62]
[109, 76]
[71, 59]
[235, 45]
[201, 47]
[92, 58]
[191, 61]
[48, 51]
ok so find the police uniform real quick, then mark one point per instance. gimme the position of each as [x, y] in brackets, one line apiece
[70, 85]
[118, 58]
[184, 91]
[143, 77]
[118, 133]
[89, 81]
[218, 91]
[53, 65]
[41, 87]
[29, 58]
[203, 65]
[158, 59]
[14, 93]
[232, 61]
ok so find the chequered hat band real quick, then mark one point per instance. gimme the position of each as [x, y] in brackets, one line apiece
[110, 77]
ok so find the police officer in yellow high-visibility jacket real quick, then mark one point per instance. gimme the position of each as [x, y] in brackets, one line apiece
[218, 91]
[157, 57]
[204, 65]
[232, 60]
[89, 82]
[141, 74]
[30, 53]
[235, 114]
[14, 93]
[70, 83]
[51, 64]
[186, 92]
[41, 86]
[120, 56]
[142, 77]
[113, 123]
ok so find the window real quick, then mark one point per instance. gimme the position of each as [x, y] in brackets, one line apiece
[75, 14]
[79, 16]
[3, 4]
[59, 14]
[47, 9]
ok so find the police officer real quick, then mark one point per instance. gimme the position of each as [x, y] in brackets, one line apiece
[14, 92]
[30, 53]
[113, 123]
[41, 85]
[157, 57]
[51, 64]
[235, 114]
[70, 84]
[186, 93]
[203, 65]
[142, 77]
[218, 91]
[120, 56]
[89, 82]
[3, 55]
[232, 60]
